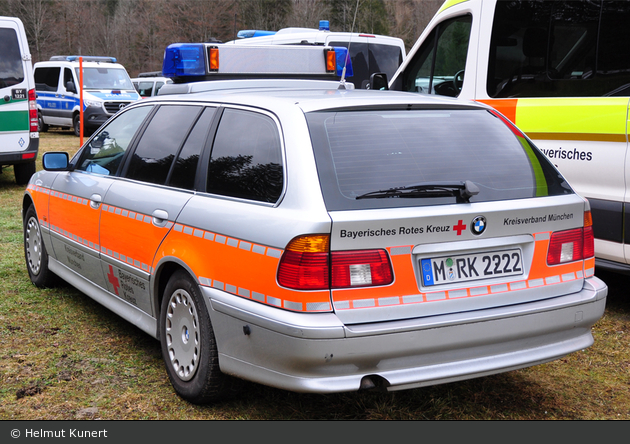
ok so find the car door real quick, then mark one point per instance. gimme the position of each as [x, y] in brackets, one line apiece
[140, 209]
[76, 197]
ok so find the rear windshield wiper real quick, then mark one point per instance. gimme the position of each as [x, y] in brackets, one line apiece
[462, 190]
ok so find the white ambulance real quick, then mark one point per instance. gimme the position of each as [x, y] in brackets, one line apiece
[560, 70]
[19, 136]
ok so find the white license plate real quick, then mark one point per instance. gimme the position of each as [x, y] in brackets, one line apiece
[471, 267]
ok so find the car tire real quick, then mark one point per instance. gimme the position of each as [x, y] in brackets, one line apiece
[41, 126]
[76, 125]
[188, 344]
[35, 252]
[23, 172]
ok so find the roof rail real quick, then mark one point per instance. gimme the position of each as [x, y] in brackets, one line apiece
[224, 85]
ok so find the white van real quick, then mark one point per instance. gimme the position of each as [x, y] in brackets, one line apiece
[19, 136]
[369, 52]
[148, 84]
[107, 89]
[560, 70]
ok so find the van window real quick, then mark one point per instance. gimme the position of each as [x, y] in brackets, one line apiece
[11, 70]
[160, 143]
[438, 66]
[246, 163]
[47, 79]
[368, 58]
[560, 49]
[67, 77]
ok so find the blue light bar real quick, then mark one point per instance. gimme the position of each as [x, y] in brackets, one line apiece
[75, 58]
[341, 54]
[324, 25]
[249, 33]
[184, 59]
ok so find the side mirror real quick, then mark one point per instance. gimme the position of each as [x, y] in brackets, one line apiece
[55, 161]
[71, 88]
[378, 81]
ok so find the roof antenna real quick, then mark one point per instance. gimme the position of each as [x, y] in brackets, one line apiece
[342, 82]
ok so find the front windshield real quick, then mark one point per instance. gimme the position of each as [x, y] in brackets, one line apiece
[105, 78]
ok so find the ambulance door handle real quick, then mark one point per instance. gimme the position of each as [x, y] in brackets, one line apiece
[160, 218]
[95, 201]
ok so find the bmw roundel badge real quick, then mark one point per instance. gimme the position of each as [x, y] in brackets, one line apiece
[478, 225]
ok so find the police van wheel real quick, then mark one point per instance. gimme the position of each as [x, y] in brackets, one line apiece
[188, 344]
[41, 126]
[35, 252]
[76, 125]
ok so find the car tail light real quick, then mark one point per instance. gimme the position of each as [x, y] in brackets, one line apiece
[305, 264]
[32, 111]
[589, 237]
[308, 264]
[360, 268]
[572, 245]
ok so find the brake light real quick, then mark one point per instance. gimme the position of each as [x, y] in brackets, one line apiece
[304, 263]
[572, 245]
[32, 111]
[307, 264]
[589, 237]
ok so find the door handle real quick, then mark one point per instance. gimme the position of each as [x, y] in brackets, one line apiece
[160, 218]
[95, 201]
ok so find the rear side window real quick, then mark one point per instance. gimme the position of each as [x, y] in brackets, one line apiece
[246, 160]
[11, 69]
[160, 143]
[560, 49]
[360, 153]
[47, 79]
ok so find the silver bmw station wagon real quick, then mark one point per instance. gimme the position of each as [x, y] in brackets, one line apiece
[319, 239]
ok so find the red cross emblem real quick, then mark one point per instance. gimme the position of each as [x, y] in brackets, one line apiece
[113, 279]
[459, 227]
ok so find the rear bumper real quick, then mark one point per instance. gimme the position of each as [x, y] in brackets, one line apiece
[28, 155]
[317, 353]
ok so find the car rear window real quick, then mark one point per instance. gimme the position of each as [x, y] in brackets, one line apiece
[359, 153]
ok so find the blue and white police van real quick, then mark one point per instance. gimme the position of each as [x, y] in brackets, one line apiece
[107, 89]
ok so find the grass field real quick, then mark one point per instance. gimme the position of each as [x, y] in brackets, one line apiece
[64, 357]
